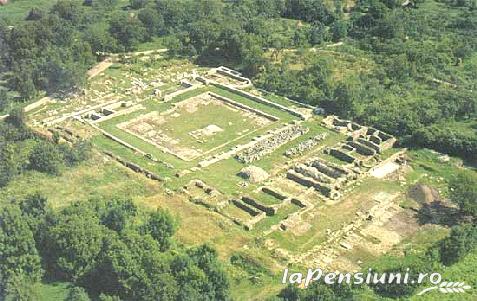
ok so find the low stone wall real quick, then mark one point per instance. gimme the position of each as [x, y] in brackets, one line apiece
[362, 149]
[298, 203]
[330, 171]
[309, 182]
[262, 100]
[251, 223]
[227, 72]
[370, 144]
[341, 155]
[244, 107]
[172, 95]
[37, 104]
[135, 167]
[306, 145]
[271, 143]
[375, 139]
[250, 210]
[313, 172]
[270, 211]
[275, 194]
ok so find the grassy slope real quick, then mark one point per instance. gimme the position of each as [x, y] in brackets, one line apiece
[17, 10]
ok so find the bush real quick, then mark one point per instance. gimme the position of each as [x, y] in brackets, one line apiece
[462, 240]
[46, 158]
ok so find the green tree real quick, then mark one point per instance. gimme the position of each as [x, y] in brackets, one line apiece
[74, 244]
[137, 4]
[161, 226]
[463, 191]
[4, 100]
[79, 152]
[35, 209]
[127, 30]
[117, 213]
[45, 157]
[462, 240]
[153, 22]
[339, 30]
[16, 117]
[9, 163]
[77, 293]
[20, 264]
[135, 269]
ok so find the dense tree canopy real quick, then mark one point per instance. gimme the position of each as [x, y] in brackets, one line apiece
[110, 248]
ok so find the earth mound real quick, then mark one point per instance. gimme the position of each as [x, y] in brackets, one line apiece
[254, 174]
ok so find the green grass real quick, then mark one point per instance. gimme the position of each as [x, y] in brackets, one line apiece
[17, 10]
[232, 123]
[181, 127]
[269, 221]
[92, 179]
[56, 291]
[156, 43]
[428, 169]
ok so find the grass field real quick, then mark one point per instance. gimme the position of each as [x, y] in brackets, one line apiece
[195, 127]
[17, 10]
[182, 127]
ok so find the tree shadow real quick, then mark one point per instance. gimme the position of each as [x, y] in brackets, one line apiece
[438, 213]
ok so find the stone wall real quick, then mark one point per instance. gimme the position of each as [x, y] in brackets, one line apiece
[362, 149]
[309, 182]
[136, 167]
[271, 143]
[306, 145]
[275, 194]
[263, 101]
[270, 211]
[370, 144]
[170, 96]
[250, 210]
[233, 74]
[313, 172]
[341, 155]
[244, 107]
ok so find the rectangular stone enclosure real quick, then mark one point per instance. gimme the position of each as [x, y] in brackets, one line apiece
[198, 125]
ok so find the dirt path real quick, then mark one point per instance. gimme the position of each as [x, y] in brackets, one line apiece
[106, 63]
[100, 67]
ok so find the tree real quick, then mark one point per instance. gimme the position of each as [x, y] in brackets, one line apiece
[16, 117]
[34, 209]
[324, 291]
[74, 244]
[46, 158]
[4, 100]
[346, 97]
[135, 269]
[463, 191]
[77, 293]
[339, 30]
[317, 34]
[20, 264]
[216, 285]
[153, 22]
[410, 263]
[160, 225]
[127, 30]
[462, 240]
[137, 4]
[35, 14]
[69, 10]
[100, 39]
[79, 152]
[9, 163]
[117, 213]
